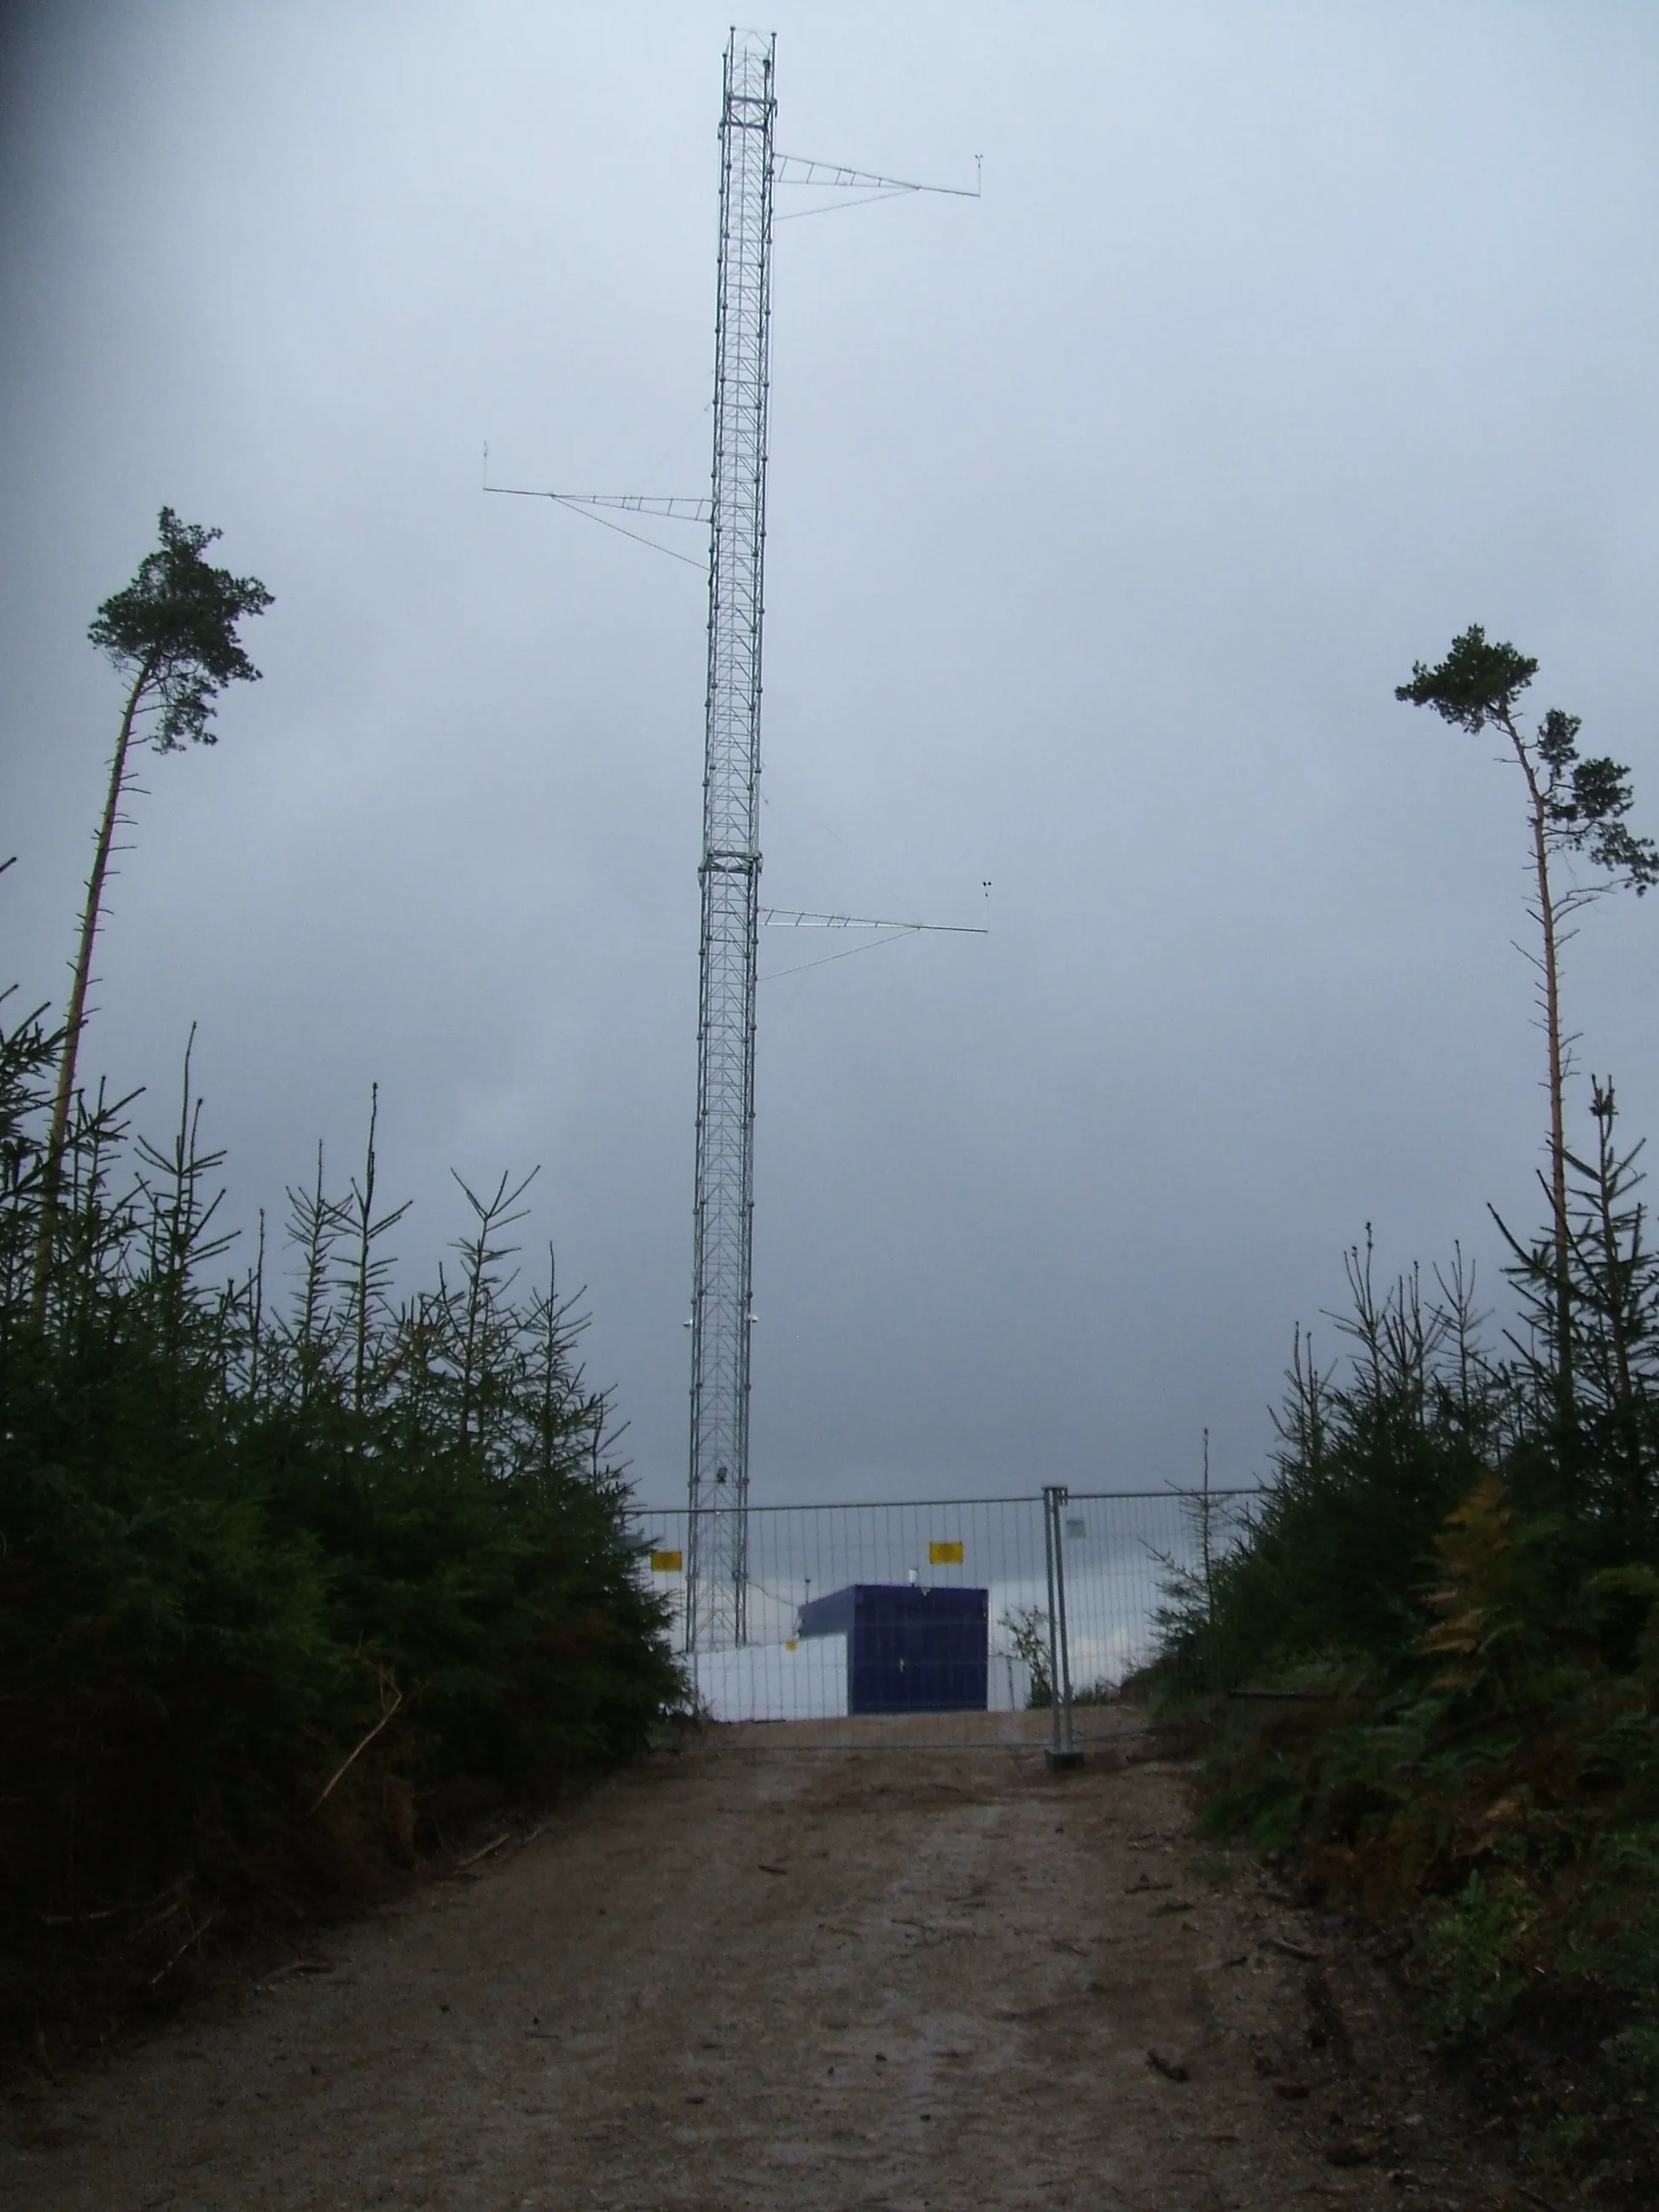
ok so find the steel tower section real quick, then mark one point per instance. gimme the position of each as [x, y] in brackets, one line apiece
[723, 1220]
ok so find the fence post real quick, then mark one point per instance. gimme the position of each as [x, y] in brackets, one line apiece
[1063, 1752]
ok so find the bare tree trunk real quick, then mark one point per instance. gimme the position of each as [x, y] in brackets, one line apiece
[364, 1271]
[1551, 973]
[1618, 1317]
[57, 1135]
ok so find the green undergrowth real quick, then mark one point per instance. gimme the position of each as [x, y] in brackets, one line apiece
[1426, 1673]
[1496, 1819]
[294, 1571]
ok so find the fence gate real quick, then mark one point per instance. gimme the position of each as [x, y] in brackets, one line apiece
[944, 1624]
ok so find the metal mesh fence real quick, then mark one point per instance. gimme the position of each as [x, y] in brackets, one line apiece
[1127, 1555]
[950, 1622]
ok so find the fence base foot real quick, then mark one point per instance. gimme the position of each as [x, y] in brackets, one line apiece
[1062, 1762]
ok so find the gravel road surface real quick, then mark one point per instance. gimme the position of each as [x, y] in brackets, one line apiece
[746, 1977]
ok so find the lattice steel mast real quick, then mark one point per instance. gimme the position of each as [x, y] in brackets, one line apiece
[723, 1214]
[724, 1203]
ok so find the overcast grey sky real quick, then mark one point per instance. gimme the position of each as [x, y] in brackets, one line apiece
[1105, 514]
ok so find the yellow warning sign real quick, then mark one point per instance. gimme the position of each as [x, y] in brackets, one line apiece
[944, 1555]
[668, 1563]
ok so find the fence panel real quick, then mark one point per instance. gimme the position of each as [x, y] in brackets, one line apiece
[948, 1623]
[1127, 1554]
[877, 1623]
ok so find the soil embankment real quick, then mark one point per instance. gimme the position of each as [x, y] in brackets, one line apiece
[736, 1980]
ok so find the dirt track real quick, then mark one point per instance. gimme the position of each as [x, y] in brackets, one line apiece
[817, 1980]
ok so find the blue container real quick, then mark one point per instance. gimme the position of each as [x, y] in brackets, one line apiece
[908, 1649]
